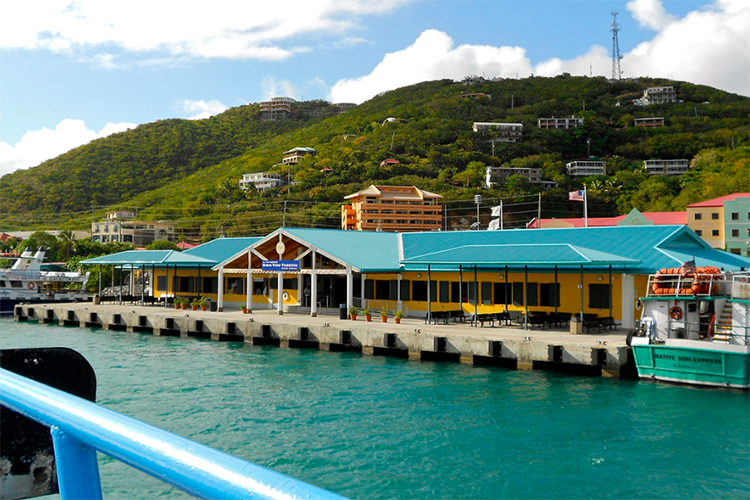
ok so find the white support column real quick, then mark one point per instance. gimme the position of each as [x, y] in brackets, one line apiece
[249, 283]
[349, 287]
[313, 288]
[280, 293]
[220, 292]
[399, 303]
[300, 291]
[628, 297]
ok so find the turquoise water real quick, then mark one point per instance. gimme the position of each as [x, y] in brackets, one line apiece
[381, 428]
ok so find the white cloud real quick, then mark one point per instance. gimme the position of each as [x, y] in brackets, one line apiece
[193, 28]
[274, 87]
[650, 14]
[708, 46]
[37, 146]
[204, 109]
[431, 57]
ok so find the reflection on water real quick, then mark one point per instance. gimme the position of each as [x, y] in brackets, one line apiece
[376, 427]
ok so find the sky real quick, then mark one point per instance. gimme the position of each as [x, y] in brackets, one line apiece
[72, 71]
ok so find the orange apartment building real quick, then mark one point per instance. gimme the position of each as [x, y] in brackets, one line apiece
[392, 208]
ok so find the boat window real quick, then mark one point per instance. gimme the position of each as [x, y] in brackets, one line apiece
[2, 283]
[16, 284]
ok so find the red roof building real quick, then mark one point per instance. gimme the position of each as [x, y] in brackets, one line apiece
[634, 218]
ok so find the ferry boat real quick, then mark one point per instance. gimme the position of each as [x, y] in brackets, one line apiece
[26, 281]
[694, 328]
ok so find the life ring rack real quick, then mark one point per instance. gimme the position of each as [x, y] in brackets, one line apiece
[285, 296]
[676, 313]
[665, 281]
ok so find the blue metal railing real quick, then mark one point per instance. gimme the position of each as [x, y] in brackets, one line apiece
[80, 428]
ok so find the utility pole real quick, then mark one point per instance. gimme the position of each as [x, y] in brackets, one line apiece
[283, 219]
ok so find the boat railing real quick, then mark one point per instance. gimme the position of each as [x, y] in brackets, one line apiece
[690, 284]
[741, 286]
[80, 428]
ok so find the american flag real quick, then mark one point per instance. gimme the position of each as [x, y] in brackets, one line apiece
[576, 195]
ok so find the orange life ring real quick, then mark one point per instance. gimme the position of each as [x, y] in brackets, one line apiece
[675, 313]
[31, 285]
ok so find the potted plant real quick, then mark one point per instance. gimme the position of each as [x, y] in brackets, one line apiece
[184, 303]
[353, 311]
[203, 303]
[367, 314]
[195, 303]
[177, 303]
[397, 316]
[244, 308]
[384, 314]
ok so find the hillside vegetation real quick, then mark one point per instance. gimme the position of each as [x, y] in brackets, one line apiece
[188, 171]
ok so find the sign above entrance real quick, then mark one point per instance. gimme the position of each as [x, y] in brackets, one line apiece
[280, 265]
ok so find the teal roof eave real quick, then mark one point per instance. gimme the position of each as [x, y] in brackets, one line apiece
[151, 258]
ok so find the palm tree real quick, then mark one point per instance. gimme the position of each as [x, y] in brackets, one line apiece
[66, 242]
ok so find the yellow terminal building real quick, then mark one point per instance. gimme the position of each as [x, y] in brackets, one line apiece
[598, 271]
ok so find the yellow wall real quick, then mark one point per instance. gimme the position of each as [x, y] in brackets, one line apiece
[228, 297]
[569, 292]
[707, 224]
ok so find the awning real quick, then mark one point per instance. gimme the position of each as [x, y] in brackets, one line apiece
[150, 258]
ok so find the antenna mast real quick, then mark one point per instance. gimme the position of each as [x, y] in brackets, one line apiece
[616, 72]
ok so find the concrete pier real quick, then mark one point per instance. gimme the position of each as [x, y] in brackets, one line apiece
[598, 354]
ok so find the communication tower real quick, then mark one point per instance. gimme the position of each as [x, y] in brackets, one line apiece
[616, 72]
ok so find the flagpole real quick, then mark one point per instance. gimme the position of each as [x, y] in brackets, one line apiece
[501, 215]
[585, 207]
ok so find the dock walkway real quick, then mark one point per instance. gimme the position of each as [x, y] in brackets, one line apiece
[595, 354]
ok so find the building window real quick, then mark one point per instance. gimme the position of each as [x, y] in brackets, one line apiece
[698, 216]
[714, 216]
[735, 216]
[599, 296]
[699, 232]
[714, 232]
[383, 290]
[419, 290]
[549, 294]
[735, 233]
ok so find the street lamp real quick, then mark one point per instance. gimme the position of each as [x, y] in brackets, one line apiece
[477, 200]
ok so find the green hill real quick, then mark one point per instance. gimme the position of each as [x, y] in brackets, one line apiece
[188, 171]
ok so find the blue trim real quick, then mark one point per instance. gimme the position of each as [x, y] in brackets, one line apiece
[195, 468]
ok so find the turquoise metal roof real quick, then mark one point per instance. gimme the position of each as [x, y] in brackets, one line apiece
[155, 258]
[221, 249]
[493, 256]
[367, 251]
[653, 247]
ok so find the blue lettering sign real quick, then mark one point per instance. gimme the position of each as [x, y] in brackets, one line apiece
[280, 265]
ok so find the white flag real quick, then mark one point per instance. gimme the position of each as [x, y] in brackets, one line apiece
[497, 211]
[494, 225]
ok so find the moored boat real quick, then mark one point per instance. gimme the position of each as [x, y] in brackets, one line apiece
[27, 281]
[694, 328]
